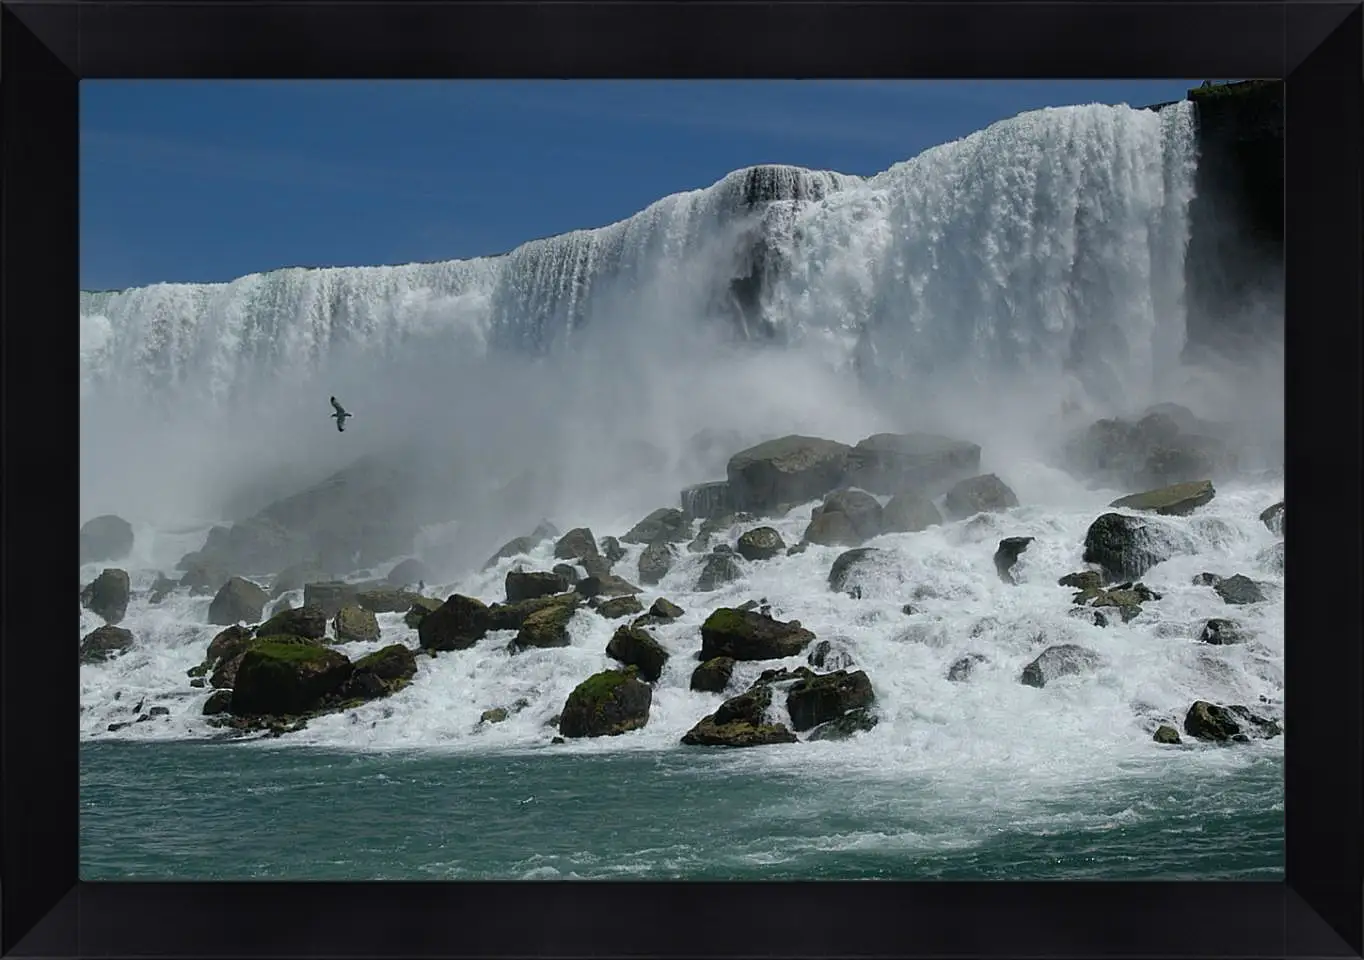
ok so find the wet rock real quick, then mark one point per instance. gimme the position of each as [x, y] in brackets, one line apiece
[745, 635]
[607, 704]
[792, 469]
[635, 647]
[578, 544]
[218, 702]
[909, 512]
[713, 675]
[1166, 734]
[239, 600]
[105, 538]
[1063, 660]
[1273, 518]
[457, 624]
[386, 600]
[355, 624]
[104, 643]
[107, 596]
[1122, 546]
[309, 622]
[1126, 598]
[516, 547]
[608, 585]
[760, 543]
[568, 572]
[983, 494]
[843, 572]
[827, 697]
[419, 609]
[862, 513]
[611, 550]
[287, 679]
[719, 569]
[203, 577]
[1206, 579]
[831, 530]
[665, 525]
[1178, 500]
[1220, 632]
[826, 656]
[962, 669]
[740, 722]
[783, 675]
[618, 607]
[1007, 555]
[655, 562]
[1084, 580]
[1239, 590]
[330, 595]
[162, 588]
[495, 715]
[381, 673]
[407, 572]
[889, 462]
[853, 722]
[705, 500]
[665, 609]
[1088, 615]
[1210, 722]
[524, 585]
[548, 627]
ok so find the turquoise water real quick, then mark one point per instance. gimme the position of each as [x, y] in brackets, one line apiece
[247, 811]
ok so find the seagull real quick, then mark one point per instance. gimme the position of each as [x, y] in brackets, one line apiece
[340, 416]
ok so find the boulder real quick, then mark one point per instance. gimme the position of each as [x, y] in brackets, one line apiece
[792, 469]
[982, 494]
[1239, 590]
[548, 627]
[826, 656]
[618, 607]
[386, 600]
[527, 585]
[843, 573]
[831, 529]
[705, 500]
[740, 722]
[296, 577]
[355, 624]
[713, 675]
[511, 616]
[655, 562]
[105, 538]
[1084, 580]
[204, 577]
[1273, 518]
[719, 569]
[827, 697]
[381, 673]
[1210, 722]
[605, 585]
[419, 609]
[665, 525]
[457, 624]
[1166, 734]
[239, 600]
[607, 704]
[330, 595]
[635, 647]
[860, 507]
[665, 609]
[853, 722]
[285, 679]
[1178, 500]
[515, 547]
[568, 572]
[890, 462]
[228, 643]
[745, 635]
[309, 622]
[107, 596]
[1122, 546]
[1220, 632]
[105, 643]
[611, 550]
[1186, 459]
[408, 572]
[578, 544]
[909, 512]
[1007, 555]
[760, 543]
[1063, 660]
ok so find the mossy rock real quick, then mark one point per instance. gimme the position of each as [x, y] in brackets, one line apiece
[225, 671]
[107, 596]
[1177, 500]
[287, 678]
[634, 647]
[495, 715]
[1084, 580]
[740, 722]
[239, 600]
[607, 704]
[1166, 734]
[457, 624]
[861, 720]
[419, 609]
[530, 585]
[760, 543]
[815, 700]
[306, 621]
[104, 643]
[618, 607]
[381, 673]
[547, 627]
[355, 624]
[713, 676]
[511, 616]
[745, 635]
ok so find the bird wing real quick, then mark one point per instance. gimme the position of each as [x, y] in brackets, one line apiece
[337, 407]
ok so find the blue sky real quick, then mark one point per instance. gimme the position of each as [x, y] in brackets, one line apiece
[211, 180]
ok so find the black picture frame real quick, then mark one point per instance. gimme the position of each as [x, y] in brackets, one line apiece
[46, 47]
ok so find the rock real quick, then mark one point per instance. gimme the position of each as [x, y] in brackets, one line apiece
[419, 609]
[655, 562]
[908, 512]
[1084, 580]
[162, 588]
[665, 525]
[1122, 546]
[861, 720]
[286, 679]
[713, 675]
[831, 529]
[524, 585]
[515, 547]
[239, 600]
[740, 722]
[457, 624]
[330, 595]
[1239, 590]
[1186, 459]
[860, 507]
[634, 647]
[105, 538]
[826, 697]
[1125, 598]
[1206, 579]
[1273, 518]
[1063, 660]
[618, 607]
[309, 622]
[665, 609]
[408, 572]
[1178, 500]
[1007, 555]
[495, 715]
[1208, 721]
[1166, 734]
[1089, 615]
[982, 494]
[608, 585]
[386, 600]
[889, 462]
[104, 643]
[1221, 632]
[962, 669]
[745, 635]
[841, 574]
[355, 624]
[228, 643]
[203, 577]
[218, 702]
[705, 500]
[719, 569]
[760, 543]
[607, 704]
[825, 656]
[381, 673]
[578, 544]
[548, 627]
[296, 577]
[792, 469]
[107, 596]
[568, 572]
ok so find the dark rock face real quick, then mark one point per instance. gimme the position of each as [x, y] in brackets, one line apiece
[330, 596]
[355, 624]
[457, 624]
[107, 596]
[740, 722]
[853, 722]
[105, 538]
[827, 697]
[1208, 721]
[792, 469]
[162, 588]
[619, 607]
[1063, 660]
[308, 622]
[961, 670]
[238, 600]
[1178, 500]
[203, 577]
[287, 678]
[578, 544]
[719, 569]
[983, 494]
[1121, 546]
[703, 500]
[1220, 632]
[760, 543]
[635, 647]
[667, 525]
[843, 573]
[889, 462]
[1007, 555]
[909, 512]
[524, 585]
[713, 675]
[745, 635]
[218, 702]
[1273, 518]
[548, 627]
[381, 673]
[655, 562]
[607, 704]
[1239, 590]
[105, 643]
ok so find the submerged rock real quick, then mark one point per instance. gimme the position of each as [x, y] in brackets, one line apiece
[1178, 500]
[238, 600]
[105, 538]
[983, 494]
[457, 624]
[745, 635]
[961, 669]
[853, 722]
[107, 596]
[713, 675]
[607, 704]
[105, 643]
[1007, 555]
[844, 569]
[740, 722]
[760, 543]
[1062, 660]
[792, 469]
[635, 647]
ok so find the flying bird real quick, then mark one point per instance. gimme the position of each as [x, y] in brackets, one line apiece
[340, 416]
